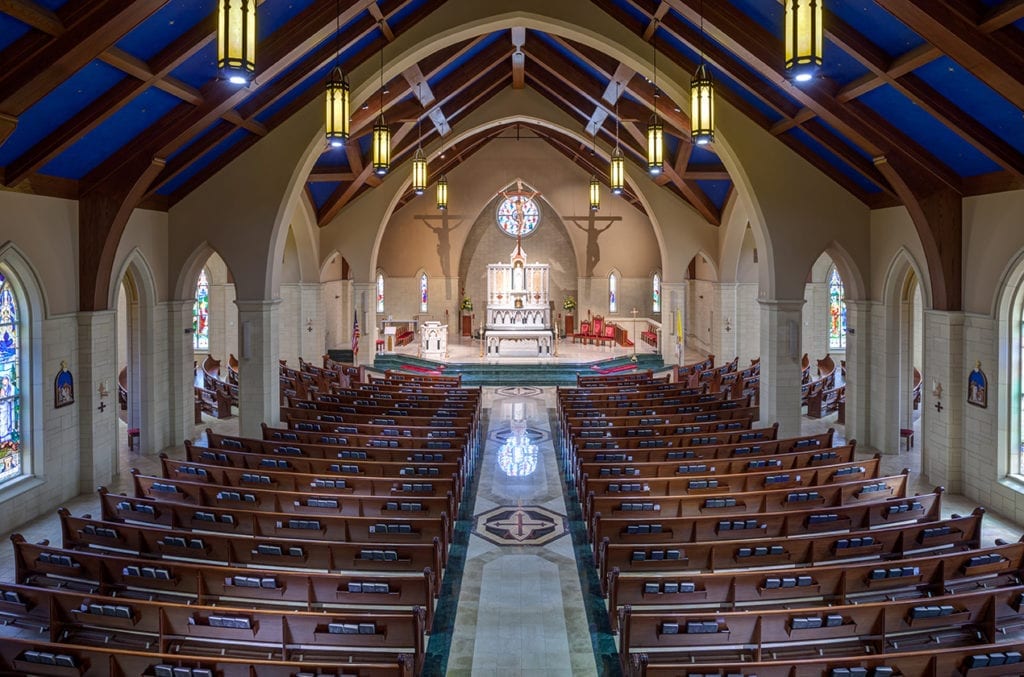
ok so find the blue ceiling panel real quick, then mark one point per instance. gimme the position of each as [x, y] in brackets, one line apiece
[52, 5]
[582, 64]
[840, 66]
[945, 144]
[703, 155]
[458, 63]
[10, 30]
[768, 14]
[274, 14]
[405, 12]
[165, 26]
[832, 159]
[632, 10]
[59, 106]
[877, 25]
[975, 97]
[671, 148]
[717, 190]
[116, 131]
[860, 151]
[317, 80]
[322, 191]
[208, 157]
[201, 67]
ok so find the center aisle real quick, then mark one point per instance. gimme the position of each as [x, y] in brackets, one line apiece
[520, 607]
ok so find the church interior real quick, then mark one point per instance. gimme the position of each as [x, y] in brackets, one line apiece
[596, 337]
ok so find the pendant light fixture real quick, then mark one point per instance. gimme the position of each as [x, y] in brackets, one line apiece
[617, 167]
[702, 98]
[337, 114]
[655, 131]
[419, 160]
[381, 133]
[236, 40]
[595, 185]
[442, 185]
[803, 38]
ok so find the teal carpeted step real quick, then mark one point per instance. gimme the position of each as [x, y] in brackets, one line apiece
[517, 374]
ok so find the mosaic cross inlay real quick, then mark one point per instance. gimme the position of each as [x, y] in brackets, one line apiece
[519, 525]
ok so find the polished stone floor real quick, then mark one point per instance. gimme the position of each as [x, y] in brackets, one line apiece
[519, 598]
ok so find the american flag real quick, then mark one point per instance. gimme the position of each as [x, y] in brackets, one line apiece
[355, 334]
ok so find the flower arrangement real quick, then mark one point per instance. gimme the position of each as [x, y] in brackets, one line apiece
[467, 304]
[569, 304]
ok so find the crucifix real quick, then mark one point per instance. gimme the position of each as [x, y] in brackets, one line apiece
[442, 231]
[938, 406]
[593, 232]
[103, 406]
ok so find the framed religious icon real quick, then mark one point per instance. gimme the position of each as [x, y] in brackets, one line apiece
[63, 387]
[977, 387]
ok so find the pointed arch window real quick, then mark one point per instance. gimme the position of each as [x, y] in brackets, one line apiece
[656, 293]
[201, 314]
[10, 384]
[423, 293]
[613, 292]
[380, 292]
[836, 311]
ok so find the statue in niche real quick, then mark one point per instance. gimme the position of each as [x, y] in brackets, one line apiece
[593, 232]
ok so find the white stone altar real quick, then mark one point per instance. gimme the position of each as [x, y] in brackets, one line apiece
[433, 340]
[518, 308]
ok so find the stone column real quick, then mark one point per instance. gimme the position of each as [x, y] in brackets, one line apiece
[364, 295]
[815, 322]
[858, 371]
[181, 370]
[780, 364]
[746, 323]
[97, 360]
[724, 332]
[311, 342]
[942, 447]
[259, 389]
[673, 299]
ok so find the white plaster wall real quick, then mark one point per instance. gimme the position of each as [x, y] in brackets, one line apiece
[45, 230]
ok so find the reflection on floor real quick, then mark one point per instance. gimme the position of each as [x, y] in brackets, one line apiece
[523, 602]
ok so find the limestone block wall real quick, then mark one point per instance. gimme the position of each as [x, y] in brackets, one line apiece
[747, 322]
[701, 310]
[815, 321]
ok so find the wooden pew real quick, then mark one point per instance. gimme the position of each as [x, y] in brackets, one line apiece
[725, 482]
[913, 577]
[643, 377]
[315, 458]
[432, 380]
[377, 554]
[320, 515]
[25, 656]
[824, 402]
[195, 583]
[703, 637]
[783, 524]
[139, 624]
[940, 660]
[360, 440]
[216, 403]
[955, 533]
[730, 506]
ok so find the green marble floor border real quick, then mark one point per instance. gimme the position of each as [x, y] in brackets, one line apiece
[606, 652]
[440, 642]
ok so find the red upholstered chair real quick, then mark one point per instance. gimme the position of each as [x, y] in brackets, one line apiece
[584, 333]
[609, 334]
[598, 329]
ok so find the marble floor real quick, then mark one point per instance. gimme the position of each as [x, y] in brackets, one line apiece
[519, 596]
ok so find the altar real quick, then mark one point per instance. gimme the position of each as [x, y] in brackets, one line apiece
[518, 320]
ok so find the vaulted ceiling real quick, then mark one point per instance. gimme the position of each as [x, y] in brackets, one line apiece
[92, 88]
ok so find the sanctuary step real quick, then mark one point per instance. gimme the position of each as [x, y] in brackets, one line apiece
[549, 373]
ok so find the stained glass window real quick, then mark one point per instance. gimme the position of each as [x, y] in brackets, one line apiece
[10, 384]
[201, 314]
[423, 293]
[836, 312]
[380, 292]
[613, 289]
[515, 210]
[656, 294]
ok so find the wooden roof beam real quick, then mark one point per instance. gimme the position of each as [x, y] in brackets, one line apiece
[96, 26]
[992, 61]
